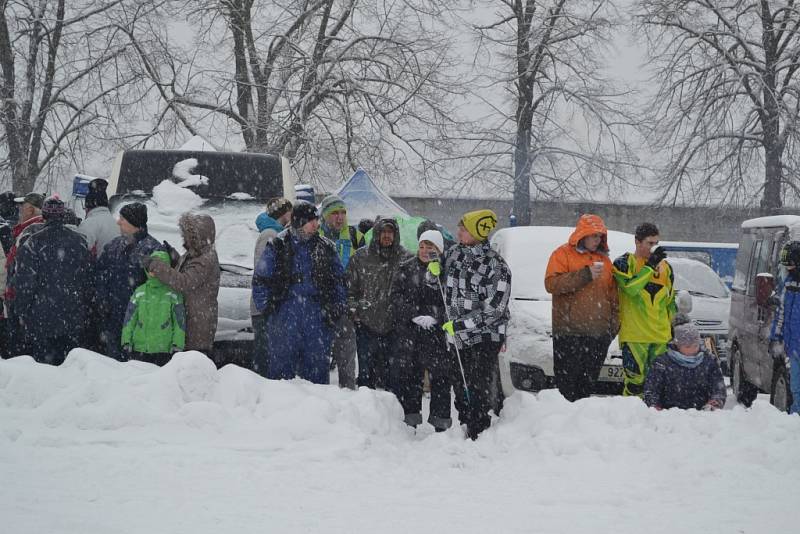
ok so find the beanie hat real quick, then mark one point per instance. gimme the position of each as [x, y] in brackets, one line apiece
[278, 207]
[97, 194]
[135, 213]
[433, 236]
[479, 223]
[330, 204]
[53, 209]
[685, 335]
[302, 213]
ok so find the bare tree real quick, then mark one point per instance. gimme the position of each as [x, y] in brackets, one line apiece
[565, 116]
[63, 63]
[727, 104]
[349, 81]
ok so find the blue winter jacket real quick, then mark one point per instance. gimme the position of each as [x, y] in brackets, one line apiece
[264, 221]
[786, 321]
[119, 272]
[50, 282]
[672, 383]
[313, 265]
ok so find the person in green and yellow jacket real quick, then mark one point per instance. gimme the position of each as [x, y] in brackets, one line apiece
[646, 306]
[155, 321]
[347, 240]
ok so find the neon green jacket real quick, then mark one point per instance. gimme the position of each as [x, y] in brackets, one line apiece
[155, 321]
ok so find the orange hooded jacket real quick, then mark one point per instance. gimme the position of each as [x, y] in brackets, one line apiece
[582, 306]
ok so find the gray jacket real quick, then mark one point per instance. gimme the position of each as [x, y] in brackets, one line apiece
[261, 243]
[369, 279]
[197, 277]
[99, 228]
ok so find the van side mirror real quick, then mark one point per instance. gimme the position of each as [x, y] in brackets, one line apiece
[765, 285]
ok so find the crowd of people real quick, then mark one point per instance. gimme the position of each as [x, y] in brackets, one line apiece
[323, 294]
[103, 283]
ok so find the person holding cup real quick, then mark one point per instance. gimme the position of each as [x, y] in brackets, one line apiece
[647, 306]
[585, 307]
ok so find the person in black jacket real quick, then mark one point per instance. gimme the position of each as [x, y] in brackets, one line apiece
[119, 271]
[50, 284]
[418, 313]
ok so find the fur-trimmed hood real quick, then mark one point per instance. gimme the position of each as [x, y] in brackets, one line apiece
[199, 233]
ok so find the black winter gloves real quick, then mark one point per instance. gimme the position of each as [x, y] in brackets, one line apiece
[656, 256]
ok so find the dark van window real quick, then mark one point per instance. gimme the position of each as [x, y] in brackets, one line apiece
[257, 175]
[760, 264]
[743, 262]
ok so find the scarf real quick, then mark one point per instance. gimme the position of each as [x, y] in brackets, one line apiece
[686, 361]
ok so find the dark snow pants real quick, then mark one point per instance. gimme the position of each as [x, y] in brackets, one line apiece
[480, 362]
[299, 342]
[157, 358]
[373, 357]
[414, 354]
[260, 354]
[54, 350]
[576, 363]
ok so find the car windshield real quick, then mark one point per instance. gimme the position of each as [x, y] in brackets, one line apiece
[697, 278]
[234, 221]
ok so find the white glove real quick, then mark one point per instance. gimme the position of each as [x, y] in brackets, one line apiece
[425, 321]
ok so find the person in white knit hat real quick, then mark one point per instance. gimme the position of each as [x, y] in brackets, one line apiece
[418, 313]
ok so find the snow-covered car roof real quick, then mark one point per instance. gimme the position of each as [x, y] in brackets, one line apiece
[697, 278]
[697, 244]
[527, 250]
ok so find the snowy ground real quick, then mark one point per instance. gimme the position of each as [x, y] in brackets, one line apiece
[95, 446]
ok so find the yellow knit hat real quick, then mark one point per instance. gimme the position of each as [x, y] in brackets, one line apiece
[479, 223]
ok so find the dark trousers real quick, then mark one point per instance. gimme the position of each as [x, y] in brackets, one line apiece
[408, 373]
[157, 358]
[576, 363]
[53, 350]
[480, 363]
[111, 338]
[373, 358]
[260, 354]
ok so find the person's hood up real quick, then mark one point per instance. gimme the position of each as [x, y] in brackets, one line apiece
[265, 222]
[199, 233]
[158, 255]
[588, 225]
[380, 224]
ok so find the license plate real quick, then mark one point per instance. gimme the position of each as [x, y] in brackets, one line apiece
[611, 373]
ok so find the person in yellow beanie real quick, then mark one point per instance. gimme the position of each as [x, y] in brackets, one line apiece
[479, 223]
[477, 291]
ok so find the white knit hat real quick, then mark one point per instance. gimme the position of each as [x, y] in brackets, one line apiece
[433, 236]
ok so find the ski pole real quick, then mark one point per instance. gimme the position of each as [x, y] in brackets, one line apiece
[455, 344]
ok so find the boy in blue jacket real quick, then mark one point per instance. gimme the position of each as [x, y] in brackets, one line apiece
[785, 333]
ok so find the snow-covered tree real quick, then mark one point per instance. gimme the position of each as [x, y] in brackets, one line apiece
[728, 99]
[65, 71]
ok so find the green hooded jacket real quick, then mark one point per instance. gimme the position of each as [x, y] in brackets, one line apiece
[155, 321]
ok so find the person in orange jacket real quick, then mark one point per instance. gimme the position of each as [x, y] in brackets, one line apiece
[585, 307]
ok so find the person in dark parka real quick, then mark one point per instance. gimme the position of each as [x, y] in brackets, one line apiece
[418, 313]
[369, 284]
[118, 272]
[50, 285]
[299, 286]
[197, 277]
[685, 377]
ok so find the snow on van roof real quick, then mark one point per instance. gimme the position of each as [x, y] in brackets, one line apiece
[773, 220]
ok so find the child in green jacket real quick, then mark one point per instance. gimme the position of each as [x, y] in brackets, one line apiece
[155, 321]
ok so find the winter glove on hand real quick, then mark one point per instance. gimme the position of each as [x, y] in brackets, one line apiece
[656, 256]
[711, 405]
[425, 321]
[173, 254]
[435, 268]
[127, 348]
[777, 349]
[448, 327]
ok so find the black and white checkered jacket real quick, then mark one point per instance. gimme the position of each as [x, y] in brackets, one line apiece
[477, 291]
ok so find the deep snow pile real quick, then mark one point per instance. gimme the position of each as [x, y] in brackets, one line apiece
[98, 446]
